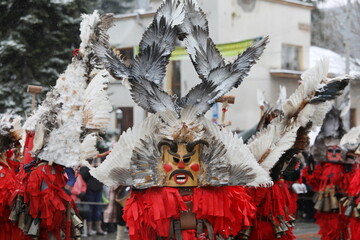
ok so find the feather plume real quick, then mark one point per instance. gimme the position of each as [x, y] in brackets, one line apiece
[97, 107]
[115, 170]
[244, 169]
[351, 140]
[88, 147]
[113, 63]
[172, 11]
[148, 96]
[200, 47]
[282, 97]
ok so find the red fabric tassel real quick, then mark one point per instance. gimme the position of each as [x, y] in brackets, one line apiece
[29, 143]
[333, 226]
[272, 202]
[354, 227]
[48, 204]
[148, 212]
[354, 186]
[263, 230]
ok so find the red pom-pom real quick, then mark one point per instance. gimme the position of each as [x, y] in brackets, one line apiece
[224, 110]
[75, 52]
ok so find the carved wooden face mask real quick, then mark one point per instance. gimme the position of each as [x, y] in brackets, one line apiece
[334, 154]
[181, 164]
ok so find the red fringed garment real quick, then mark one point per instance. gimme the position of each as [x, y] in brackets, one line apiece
[8, 188]
[354, 190]
[148, 212]
[275, 202]
[47, 199]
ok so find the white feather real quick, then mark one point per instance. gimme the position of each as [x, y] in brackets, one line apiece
[351, 140]
[97, 107]
[312, 80]
[87, 26]
[120, 155]
[279, 148]
[88, 147]
[282, 97]
[238, 153]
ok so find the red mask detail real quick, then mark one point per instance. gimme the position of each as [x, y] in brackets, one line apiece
[195, 167]
[333, 154]
[167, 167]
[181, 165]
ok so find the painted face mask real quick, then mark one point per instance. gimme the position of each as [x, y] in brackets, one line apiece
[181, 164]
[334, 154]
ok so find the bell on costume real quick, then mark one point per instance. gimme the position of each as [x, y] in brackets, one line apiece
[14, 215]
[319, 202]
[350, 205]
[356, 213]
[245, 234]
[291, 221]
[34, 229]
[326, 204]
[349, 210]
[75, 220]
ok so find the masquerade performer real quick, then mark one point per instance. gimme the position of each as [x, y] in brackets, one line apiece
[187, 174]
[10, 135]
[180, 165]
[330, 176]
[284, 130]
[65, 132]
[351, 143]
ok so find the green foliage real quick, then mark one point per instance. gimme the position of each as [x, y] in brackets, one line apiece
[37, 38]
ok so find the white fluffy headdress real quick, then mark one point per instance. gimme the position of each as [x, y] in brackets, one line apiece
[77, 105]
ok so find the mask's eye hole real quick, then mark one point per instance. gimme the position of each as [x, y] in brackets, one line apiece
[186, 160]
[338, 151]
[330, 150]
[176, 160]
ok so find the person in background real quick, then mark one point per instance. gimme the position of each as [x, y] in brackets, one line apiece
[110, 212]
[301, 190]
[93, 194]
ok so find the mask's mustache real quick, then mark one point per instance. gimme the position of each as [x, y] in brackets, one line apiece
[179, 171]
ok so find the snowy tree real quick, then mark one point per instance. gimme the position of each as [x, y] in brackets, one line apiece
[338, 28]
[36, 42]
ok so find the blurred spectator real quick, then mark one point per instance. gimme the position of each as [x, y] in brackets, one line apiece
[93, 194]
[78, 193]
[301, 190]
[110, 212]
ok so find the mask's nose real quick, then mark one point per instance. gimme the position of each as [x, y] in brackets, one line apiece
[181, 164]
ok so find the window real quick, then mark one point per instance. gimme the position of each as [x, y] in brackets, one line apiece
[291, 57]
[124, 118]
[127, 54]
[176, 78]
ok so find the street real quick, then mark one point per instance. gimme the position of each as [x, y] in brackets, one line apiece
[302, 231]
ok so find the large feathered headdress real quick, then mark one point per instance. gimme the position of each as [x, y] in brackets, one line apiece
[136, 159]
[66, 123]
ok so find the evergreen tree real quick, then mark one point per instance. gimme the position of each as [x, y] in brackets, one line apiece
[37, 38]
